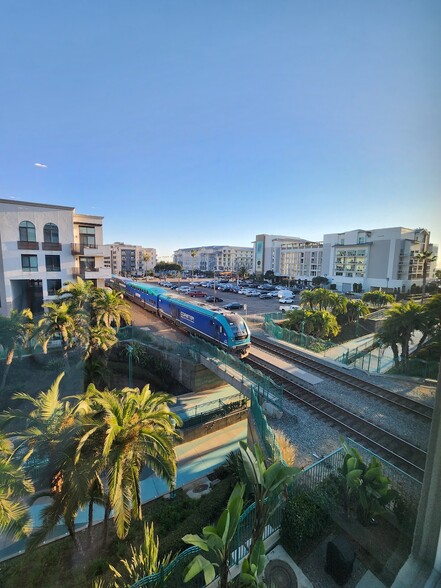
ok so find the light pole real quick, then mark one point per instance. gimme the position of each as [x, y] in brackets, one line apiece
[130, 352]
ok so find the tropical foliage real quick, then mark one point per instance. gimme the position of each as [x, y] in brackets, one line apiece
[15, 331]
[427, 257]
[378, 298]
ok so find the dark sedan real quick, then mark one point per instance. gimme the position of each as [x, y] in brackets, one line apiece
[233, 306]
[213, 299]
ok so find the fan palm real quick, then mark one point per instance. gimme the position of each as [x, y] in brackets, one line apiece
[130, 429]
[15, 330]
[308, 298]
[404, 319]
[14, 486]
[110, 307]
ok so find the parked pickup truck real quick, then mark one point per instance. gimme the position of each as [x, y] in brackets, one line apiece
[290, 307]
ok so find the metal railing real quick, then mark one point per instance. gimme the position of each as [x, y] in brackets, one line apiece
[293, 337]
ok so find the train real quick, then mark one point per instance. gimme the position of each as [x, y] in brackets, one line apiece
[221, 327]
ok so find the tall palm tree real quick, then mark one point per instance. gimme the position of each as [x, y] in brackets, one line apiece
[130, 429]
[426, 257]
[62, 318]
[100, 338]
[15, 331]
[109, 307]
[193, 254]
[14, 486]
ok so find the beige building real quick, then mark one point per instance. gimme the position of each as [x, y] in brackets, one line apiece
[133, 260]
[215, 257]
[43, 246]
[377, 258]
[301, 260]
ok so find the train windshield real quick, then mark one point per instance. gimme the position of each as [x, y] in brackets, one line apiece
[239, 327]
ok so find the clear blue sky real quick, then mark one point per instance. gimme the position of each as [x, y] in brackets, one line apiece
[192, 122]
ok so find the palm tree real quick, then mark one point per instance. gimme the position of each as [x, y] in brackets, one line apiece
[130, 429]
[109, 307]
[46, 429]
[404, 319]
[308, 298]
[80, 293]
[426, 257]
[15, 330]
[100, 338]
[63, 319]
[193, 254]
[356, 309]
[14, 486]
[322, 324]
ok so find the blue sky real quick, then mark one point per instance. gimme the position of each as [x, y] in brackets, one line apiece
[199, 122]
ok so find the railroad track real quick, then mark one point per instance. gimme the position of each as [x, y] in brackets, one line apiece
[401, 402]
[406, 456]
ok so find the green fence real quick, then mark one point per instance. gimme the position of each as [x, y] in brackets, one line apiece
[265, 432]
[300, 339]
[202, 413]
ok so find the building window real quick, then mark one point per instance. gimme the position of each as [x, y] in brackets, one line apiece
[27, 231]
[53, 286]
[53, 263]
[29, 263]
[50, 233]
[87, 236]
[87, 264]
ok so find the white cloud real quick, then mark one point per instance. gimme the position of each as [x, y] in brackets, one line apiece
[40, 165]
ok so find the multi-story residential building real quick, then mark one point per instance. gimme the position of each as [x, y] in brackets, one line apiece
[300, 260]
[127, 260]
[215, 257]
[267, 253]
[43, 246]
[378, 259]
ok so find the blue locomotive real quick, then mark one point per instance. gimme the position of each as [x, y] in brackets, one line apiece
[221, 327]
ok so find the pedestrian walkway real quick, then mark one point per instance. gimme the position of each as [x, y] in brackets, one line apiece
[195, 459]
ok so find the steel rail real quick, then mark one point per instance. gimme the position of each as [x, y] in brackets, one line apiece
[406, 456]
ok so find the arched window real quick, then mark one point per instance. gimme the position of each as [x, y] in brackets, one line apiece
[50, 233]
[27, 231]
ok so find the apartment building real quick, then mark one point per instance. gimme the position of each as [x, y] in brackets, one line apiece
[300, 260]
[267, 251]
[43, 246]
[134, 260]
[378, 259]
[215, 257]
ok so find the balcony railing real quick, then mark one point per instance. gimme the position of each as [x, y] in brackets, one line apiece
[46, 246]
[28, 245]
[82, 249]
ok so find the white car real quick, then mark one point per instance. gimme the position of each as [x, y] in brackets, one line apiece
[184, 289]
[286, 300]
[290, 307]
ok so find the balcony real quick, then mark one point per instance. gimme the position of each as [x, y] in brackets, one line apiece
[28, 245]
[46, 246]
[81, 249]
[92, 273]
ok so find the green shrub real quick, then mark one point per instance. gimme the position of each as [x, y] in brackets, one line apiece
[302, 523]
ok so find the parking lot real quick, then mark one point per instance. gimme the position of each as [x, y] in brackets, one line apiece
[252, 305]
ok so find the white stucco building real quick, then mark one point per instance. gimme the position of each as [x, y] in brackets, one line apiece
[43, 246]
[377, 258]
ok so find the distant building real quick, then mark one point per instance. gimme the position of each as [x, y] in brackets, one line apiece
[215, 257]
[268, 253]
[300, 260]
[378, 258]
[43, 246]
[133, 260]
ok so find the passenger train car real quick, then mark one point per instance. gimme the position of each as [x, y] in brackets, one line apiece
[221, 327]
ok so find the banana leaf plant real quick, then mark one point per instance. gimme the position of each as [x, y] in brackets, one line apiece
[216, 542]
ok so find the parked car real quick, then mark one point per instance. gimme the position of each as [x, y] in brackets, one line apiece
[183, 289]
[196, 293]
[233, 306]
[286, 300]
[213, 299]
[290, 307]
[265, 296]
